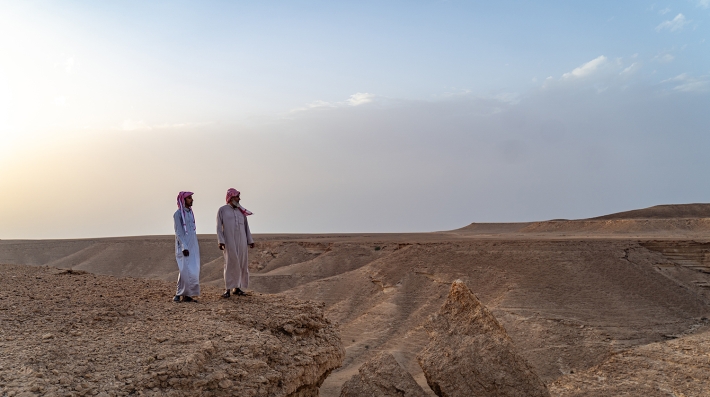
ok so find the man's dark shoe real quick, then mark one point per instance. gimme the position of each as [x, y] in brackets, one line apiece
[226, 294]
[176, 298]
[188, 299]
[239, 292]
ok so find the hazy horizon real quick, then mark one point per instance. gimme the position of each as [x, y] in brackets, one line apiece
[340, 117]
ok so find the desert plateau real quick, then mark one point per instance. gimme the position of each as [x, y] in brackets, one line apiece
[617, 305]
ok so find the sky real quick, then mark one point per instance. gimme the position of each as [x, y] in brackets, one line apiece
[362, 116]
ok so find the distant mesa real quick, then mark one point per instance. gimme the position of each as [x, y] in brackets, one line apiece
[667, 211]
[669, 219]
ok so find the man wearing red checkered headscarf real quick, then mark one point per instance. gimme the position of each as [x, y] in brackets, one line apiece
[233, 236]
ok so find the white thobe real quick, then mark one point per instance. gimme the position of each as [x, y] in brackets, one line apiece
[188, 283]
[233, 232]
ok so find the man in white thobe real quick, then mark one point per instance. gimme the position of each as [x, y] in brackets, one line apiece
[233, 236]
[187, 251]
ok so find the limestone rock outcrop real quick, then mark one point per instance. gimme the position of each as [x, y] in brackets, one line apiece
[382, 376]
[107, 336]
[471, 354]
[677, 367]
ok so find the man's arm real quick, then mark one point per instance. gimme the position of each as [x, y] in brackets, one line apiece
[250, 240]
[180, 232]
[220, 229]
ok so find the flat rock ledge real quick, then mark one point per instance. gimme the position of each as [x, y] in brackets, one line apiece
[471, 354]
[382, 376]
[67, 333]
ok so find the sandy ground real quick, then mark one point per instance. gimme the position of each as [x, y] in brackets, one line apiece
[571, 294]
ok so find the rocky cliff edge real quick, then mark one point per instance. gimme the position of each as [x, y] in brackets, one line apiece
[71, 333]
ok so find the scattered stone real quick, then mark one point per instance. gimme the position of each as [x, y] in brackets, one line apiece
[382, 376]
[471, 354]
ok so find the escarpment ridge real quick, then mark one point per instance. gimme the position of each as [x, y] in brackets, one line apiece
[661, 221]
[665, 211]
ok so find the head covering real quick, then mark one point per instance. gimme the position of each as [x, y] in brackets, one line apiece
[181, 204]
[232, 192]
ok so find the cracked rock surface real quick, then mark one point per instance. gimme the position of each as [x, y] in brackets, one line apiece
[382, 376]
[70, 333]
[679, 367]
[470, 353]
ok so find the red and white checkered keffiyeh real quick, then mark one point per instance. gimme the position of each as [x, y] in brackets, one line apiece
[181, 204]
[232, 192]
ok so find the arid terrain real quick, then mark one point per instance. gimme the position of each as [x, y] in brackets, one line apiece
[67, 332]
[615, 305]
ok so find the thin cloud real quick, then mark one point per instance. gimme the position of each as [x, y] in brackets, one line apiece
[704, 3]
[679, 77]
[182, 125]
[586, 69]
[360, 98]
[320, 104]
[664, 58]
[356, 99]
[140, 125]
[664, 11]
[131, 125]
[508, 97]
[674, 24]
[633, 68]
[685, 83]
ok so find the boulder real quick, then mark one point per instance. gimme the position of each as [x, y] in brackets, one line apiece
[382, 376]
[471, 354]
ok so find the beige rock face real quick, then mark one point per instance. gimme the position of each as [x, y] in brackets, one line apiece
[68, 333]
[677, 367]
[470, 353]
[382, 377]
